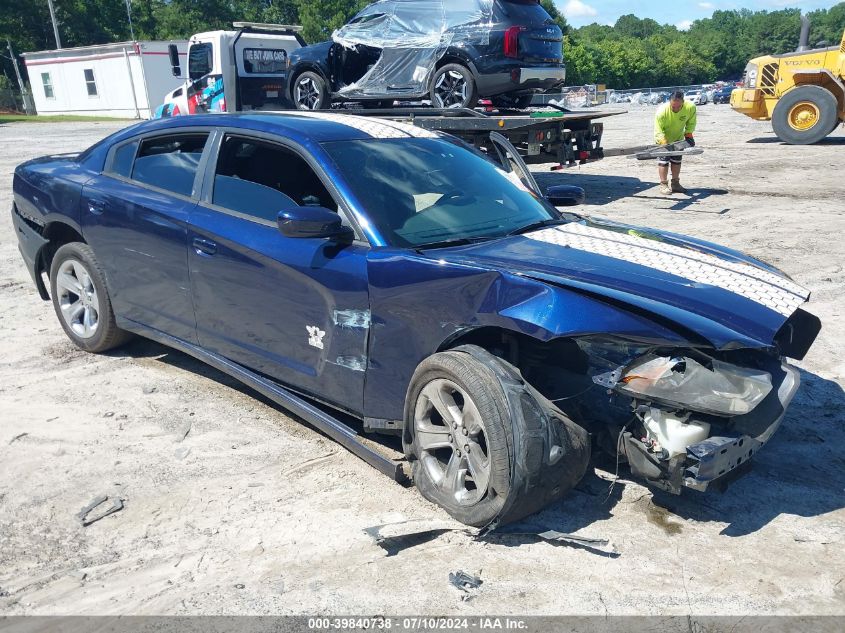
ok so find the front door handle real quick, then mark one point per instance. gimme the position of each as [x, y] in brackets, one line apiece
[204, 247]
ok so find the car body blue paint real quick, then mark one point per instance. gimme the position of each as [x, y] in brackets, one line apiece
[256, 299]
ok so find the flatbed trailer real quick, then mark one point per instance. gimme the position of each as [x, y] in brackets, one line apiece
[552, 135]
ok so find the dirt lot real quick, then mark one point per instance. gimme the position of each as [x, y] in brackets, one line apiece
[253, 512]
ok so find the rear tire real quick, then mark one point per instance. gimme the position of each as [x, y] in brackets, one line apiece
[453, 86]
[805, 115]
[81, 299]
[310, 92]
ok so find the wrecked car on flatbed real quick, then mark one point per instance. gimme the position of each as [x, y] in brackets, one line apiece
[397, 275]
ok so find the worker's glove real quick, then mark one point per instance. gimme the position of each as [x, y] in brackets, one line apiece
[690, 140]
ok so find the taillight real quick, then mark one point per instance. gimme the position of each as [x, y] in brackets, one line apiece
[511, 46]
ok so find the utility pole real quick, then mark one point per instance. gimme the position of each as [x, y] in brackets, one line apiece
[24, 94]
[55, 24]
[129, 15]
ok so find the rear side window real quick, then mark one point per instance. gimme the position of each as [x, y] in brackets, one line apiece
[525, 12]
[170, 162]
[260, 179]
[124, 155]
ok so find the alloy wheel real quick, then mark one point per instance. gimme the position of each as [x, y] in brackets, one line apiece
[451, 90]
[78, 298]
[307, 94]
[452, 441]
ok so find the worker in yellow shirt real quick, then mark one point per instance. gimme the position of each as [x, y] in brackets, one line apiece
[675, 121]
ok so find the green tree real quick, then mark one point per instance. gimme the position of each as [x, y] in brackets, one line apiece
[319, 18]
[556, 15]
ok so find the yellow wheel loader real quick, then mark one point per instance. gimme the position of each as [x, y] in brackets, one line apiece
[801, 93]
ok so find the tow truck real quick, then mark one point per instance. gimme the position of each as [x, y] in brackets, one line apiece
[245, 70]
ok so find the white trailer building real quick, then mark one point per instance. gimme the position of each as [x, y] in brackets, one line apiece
[123, 80]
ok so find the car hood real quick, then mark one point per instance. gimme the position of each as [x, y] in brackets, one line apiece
[728, 299]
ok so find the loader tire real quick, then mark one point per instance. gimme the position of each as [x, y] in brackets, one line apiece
[805, 115]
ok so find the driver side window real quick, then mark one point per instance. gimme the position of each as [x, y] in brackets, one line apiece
[259, 179]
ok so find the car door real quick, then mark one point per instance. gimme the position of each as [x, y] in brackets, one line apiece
[295, 309]
[135, 218]
[508, 158]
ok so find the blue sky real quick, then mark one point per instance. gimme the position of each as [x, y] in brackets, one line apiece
[678, 12]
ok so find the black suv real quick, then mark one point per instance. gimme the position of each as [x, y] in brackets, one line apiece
[452, 52]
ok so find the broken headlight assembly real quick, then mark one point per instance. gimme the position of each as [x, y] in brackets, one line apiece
[710, 386]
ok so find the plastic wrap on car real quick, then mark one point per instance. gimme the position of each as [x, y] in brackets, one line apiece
[413, 36]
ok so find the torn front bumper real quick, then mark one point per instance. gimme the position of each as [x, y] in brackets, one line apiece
[721, 457]
[717, 457]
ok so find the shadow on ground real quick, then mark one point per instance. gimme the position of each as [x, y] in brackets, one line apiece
[830, 140]
[800, 472]
[602, 190]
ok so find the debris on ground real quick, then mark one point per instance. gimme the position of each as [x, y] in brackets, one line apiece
[182, 452]
[17, 437]
[464, 581]
[183, 433]
[110, 505]
[599, 546]
[394, 544]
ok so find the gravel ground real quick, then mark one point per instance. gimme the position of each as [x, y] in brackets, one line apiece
[253, 512]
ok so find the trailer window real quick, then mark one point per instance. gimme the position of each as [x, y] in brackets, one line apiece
[90, 82]
[264, 60]
[47, 82]
[200, 60]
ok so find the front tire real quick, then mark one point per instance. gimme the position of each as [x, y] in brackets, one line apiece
[310, 92]
[483, 444]
[81, 299]
[458, 424]
[805, 115]
[453, 86]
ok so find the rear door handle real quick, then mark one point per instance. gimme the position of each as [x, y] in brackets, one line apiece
[97, 207]
[204, 247]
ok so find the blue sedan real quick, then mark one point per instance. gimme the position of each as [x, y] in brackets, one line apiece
[345, 266]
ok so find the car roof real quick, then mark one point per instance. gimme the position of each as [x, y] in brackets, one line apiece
[301, 127]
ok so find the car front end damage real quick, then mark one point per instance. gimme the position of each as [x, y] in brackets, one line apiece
[685, 417]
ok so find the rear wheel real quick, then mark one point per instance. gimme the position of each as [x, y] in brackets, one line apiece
[81, 300]
[310, 92]
[805, 115]
[453, 86]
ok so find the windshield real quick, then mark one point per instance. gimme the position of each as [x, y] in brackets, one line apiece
[426, 192]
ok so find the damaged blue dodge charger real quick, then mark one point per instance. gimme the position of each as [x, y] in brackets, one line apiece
[376, 277]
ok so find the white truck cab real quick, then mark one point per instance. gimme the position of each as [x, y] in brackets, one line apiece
[233, 71]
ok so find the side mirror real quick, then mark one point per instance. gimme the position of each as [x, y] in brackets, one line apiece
[565, 195]
[312, 222]
[175, 66]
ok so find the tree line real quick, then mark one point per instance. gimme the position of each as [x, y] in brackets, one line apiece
[634, 52]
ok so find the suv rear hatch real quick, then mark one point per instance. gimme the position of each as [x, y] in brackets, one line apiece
[531, 33]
